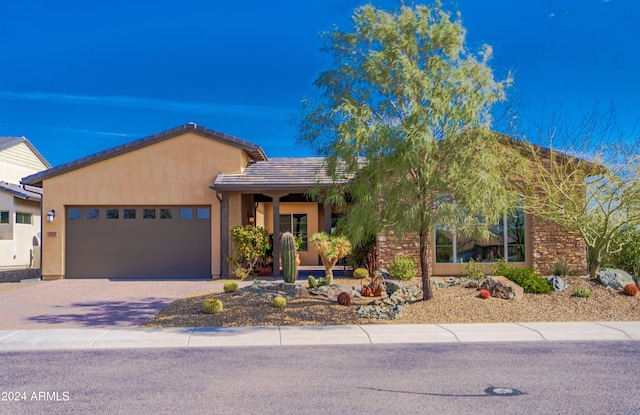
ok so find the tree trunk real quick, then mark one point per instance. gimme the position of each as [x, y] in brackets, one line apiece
[425, 265]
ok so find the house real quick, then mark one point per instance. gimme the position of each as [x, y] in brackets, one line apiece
[19, 205]
[162, 206]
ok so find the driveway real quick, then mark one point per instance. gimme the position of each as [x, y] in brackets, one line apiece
[93, 303]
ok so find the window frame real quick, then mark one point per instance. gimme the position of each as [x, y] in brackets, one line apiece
[25, 214]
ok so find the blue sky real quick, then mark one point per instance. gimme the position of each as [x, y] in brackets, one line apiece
[78, 77]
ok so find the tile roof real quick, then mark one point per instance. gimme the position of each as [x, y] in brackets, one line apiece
[254, 151]
[276, 174]
[21, 192]
[7, 142]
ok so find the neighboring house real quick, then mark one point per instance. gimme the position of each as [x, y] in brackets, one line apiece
[162, 206]
[19, 205]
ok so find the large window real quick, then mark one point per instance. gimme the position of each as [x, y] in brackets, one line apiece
[297, 225]
[452, 248]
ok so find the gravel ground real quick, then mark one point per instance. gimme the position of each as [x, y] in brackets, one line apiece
[457, 304]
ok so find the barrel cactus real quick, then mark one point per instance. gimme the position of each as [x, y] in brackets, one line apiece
[279, 302]
[344, 298]
[484, 294]
[360, 273]
[212, 306]
[288, 249]
[230, 286]
[582, 293]
[630, 289]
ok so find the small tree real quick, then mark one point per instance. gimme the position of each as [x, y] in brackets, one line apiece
[403, 121]
[331, 250]
[597, 194]
[251, 244]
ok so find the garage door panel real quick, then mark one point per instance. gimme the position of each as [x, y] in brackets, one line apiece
[137, 248]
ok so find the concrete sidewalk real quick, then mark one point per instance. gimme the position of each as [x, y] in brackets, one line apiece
[118, 338]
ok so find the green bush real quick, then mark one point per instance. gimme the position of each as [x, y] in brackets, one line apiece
[279, 302]
[360, 273]
[402, 267]
[324, 281]
[473, 271]
[527, 278]
[230, 287]
[582, 293]
[628, 258]
[561, 268]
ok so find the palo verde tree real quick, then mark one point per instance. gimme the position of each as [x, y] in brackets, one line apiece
[587, 181]
[402, 117]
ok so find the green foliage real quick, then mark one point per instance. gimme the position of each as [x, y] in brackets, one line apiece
[212, 306]
[527, 278]
[324, 281]
[230, 287]
[627, 256]
[561, 268]
[582, 293]
[312, 282]
[473, 271]
[360, 273]
[403, 116]
[331, 249]
[251, 244]
[279, 302]
[402, 267]
[288, 252]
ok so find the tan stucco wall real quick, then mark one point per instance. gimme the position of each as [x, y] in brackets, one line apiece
[17, 248]
[309, 257]
[176, 171]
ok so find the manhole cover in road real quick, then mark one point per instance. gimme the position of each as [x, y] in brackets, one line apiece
[502, 391]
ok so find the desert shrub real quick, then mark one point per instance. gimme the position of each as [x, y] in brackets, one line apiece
[561, 268]
[484, 294]
[628, 257]
[312, 282]
[473, 271]
[279, 302]
[402, 267]
[360, 273]
[630, 289]
[212, 306]
[330, 248]
[230, 287]
[344, 298]
[582, 293]
[251, 244]
[527, 278]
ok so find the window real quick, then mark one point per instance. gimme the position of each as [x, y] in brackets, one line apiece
[297, 225]
[75, 214]
[4, 217]
[24, 218]
[202, 213]
[129, 213]
[452, 248]
[93, 213]
[186, 213]
[148, 214]
[166, 213]
[112, 213]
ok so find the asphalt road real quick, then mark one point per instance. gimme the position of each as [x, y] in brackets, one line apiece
[542, 378]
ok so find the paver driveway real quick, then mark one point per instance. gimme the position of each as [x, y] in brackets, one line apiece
[92, 303]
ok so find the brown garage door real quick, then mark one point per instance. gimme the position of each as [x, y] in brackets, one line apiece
[138, 242]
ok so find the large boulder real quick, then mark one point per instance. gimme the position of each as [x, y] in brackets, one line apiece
[502, 287]
[615, 279]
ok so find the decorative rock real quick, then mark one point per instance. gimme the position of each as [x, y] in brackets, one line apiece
[502, 287]
[615, 279]
[557, 283]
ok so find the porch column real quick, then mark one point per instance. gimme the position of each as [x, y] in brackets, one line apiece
[224, 235]
[276, 235]
[327, 218]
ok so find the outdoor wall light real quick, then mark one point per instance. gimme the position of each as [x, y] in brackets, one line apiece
[251, 218]
[51, 215]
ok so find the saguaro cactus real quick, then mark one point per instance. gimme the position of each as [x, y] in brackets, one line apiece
[288, 250]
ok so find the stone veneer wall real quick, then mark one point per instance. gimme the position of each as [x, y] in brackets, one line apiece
[550, 242]
[389, 245]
